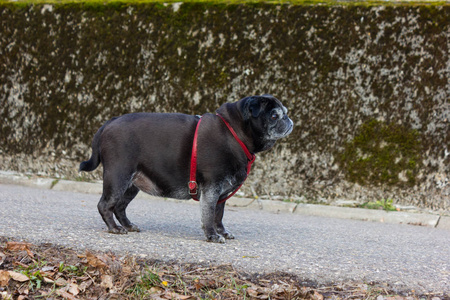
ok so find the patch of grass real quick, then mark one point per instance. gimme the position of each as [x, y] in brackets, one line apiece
[54, 182]
[384, 204]
[290, 200]
[33, 272]
[82, 178]
[310, 200]
[72, 270]
[147, 284]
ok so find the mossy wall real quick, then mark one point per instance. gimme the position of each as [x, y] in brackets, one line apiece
[367, 87]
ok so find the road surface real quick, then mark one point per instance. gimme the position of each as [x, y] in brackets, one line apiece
[321, 250]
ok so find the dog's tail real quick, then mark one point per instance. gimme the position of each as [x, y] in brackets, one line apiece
[94, 160]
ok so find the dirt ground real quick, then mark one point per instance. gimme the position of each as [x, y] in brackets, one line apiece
[48, 271]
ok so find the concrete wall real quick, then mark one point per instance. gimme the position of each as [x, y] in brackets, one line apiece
[367, 87]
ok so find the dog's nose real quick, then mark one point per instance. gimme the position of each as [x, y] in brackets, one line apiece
[286, 118]
[291, 122]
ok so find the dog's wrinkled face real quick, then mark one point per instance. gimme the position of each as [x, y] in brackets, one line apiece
[268, 119]
[279, 124]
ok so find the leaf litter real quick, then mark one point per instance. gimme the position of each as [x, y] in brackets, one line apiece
[45, 271]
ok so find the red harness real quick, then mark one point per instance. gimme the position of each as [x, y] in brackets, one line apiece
[193, 186]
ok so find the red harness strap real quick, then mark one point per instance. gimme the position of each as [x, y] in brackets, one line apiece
[193, 186]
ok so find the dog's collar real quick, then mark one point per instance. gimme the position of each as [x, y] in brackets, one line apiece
[193, 186]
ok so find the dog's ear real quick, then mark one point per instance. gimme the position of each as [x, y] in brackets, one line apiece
[255, 105]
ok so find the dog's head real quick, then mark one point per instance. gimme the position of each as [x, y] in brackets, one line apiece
[267, 119]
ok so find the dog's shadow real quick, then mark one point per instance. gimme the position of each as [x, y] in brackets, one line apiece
[160, 219]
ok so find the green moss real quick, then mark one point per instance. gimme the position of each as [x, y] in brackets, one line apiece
[120, 3]
[382, 154]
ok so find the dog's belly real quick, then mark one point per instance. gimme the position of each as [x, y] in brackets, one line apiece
[145, 184]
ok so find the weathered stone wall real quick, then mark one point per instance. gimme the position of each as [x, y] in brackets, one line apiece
[367, 87]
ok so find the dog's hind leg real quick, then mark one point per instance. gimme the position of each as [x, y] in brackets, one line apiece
[121, 206]
[114, 188]
[105, 207]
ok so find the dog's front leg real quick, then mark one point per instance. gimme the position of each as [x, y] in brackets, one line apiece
[218, 221]
[208, 202]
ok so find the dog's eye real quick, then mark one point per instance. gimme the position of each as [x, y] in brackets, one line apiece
[274, 116]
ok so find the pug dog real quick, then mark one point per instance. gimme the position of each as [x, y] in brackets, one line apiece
[153, 153]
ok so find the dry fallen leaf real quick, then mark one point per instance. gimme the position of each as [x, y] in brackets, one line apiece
[252, 292]
[4, 278]
[84, 285]
[19, 246]
[5, 295]
[48, 274]
[60, 282]
[73, 289]
[126, 270]
[18, 263]
[173, 295]
[317, 296]
[48, 280]
[107, 282]
[65, 295]
[18, 276]
[24, 290]
[95, 261]
[155, 290]
[198, 285]
[2, 257]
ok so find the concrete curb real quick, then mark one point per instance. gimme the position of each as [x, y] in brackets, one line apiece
[420, 219]
[395, 217]
[78, 187]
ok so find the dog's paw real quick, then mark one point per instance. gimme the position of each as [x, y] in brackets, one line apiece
[216, 239]
[228, 236]
[133, 228]
[118, 230]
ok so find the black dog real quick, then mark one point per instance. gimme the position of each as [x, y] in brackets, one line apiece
[152, 152]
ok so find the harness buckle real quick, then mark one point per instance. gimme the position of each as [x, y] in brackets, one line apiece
[193, 188]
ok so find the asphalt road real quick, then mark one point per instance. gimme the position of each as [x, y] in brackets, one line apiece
[321, 250]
